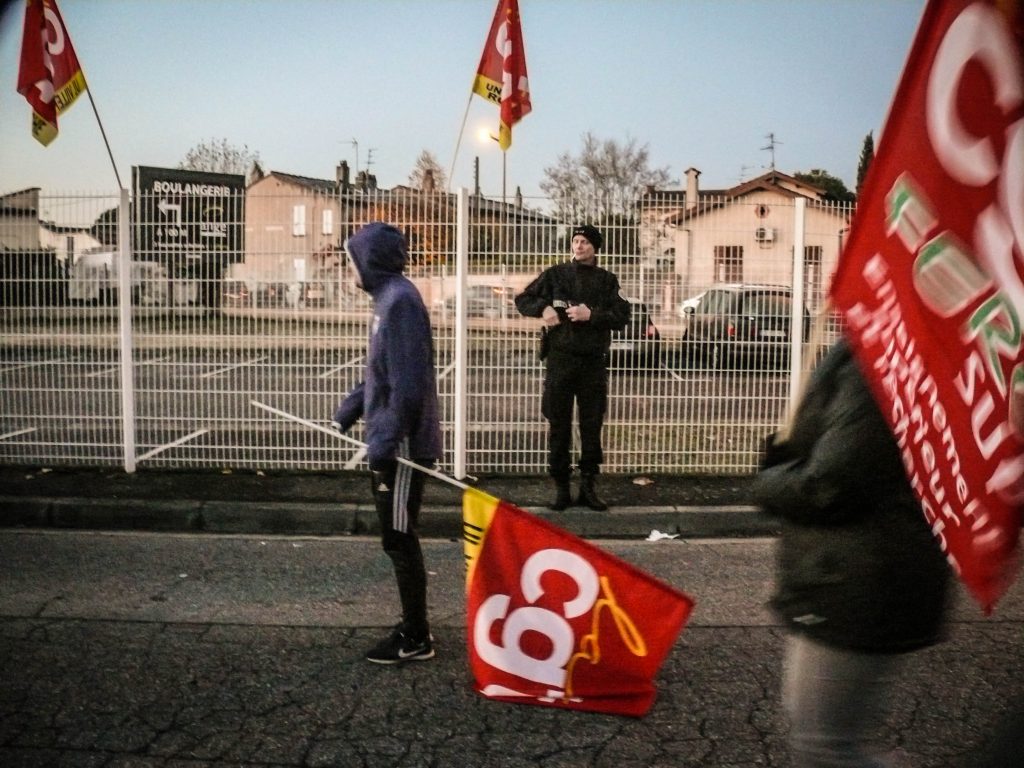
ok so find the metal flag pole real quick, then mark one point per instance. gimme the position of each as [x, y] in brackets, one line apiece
[103, 133]
[352, 441]
[458, 141]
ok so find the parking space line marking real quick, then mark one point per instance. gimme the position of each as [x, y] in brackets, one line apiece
[12, 368]
[353, 363]
[228, 369]
[117, 369]
[174, 444]
[17, 432]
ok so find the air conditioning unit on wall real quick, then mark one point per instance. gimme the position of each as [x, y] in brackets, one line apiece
[764, 234]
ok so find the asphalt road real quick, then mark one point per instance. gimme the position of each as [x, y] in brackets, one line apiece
[198, 650]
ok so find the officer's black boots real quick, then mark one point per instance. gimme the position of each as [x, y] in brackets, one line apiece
[563, 495]
[588, 494]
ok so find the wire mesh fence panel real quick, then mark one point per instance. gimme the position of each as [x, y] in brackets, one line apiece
[253, 301]
[60, 358]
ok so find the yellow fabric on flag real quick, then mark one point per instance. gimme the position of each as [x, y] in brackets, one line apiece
[478, 510]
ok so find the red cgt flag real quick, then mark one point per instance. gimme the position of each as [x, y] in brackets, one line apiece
[555, 621]
[931, 283]
[49, 76]
[501, 77]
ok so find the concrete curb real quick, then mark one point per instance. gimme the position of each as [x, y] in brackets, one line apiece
[348, 518]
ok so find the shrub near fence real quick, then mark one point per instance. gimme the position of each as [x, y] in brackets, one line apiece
[170, 383]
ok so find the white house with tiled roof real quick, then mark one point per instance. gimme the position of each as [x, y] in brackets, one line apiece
[747, 234]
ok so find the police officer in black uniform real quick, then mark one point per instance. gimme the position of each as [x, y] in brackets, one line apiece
[581, 304]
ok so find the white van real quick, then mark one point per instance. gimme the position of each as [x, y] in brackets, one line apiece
[93, 280]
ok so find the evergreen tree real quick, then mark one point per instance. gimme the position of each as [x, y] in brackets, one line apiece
[867, 154]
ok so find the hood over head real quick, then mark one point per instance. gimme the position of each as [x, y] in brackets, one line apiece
[379, 251]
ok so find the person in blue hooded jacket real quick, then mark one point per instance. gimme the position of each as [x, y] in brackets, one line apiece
[397, 400]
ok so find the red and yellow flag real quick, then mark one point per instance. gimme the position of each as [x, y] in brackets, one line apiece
[931, 282]
[501, 77]
[555, 621]
[49, 75]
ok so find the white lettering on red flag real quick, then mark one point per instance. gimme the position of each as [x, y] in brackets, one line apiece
[49, 75]
[931, 284]
[501, 76]
[553, 620]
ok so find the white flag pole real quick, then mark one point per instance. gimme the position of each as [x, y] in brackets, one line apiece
[351, 440]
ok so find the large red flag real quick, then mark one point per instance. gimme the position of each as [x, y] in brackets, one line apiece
[501, 77]
[931, 282]
[553, 620]
[49, 75]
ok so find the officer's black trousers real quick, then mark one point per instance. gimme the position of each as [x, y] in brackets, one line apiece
[583, 382]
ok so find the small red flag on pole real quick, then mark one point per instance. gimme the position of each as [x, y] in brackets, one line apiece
[501, 77]
[555, 621]
[49, 75]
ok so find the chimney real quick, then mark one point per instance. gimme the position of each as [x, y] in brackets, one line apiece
[342, 175]
[428, 180]
[692, 190]
[519, 197]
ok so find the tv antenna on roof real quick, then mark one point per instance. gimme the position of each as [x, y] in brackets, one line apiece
[369, 158]
[772, 143]
[355, 144]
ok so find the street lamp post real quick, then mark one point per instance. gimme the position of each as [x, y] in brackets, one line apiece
[485, 134]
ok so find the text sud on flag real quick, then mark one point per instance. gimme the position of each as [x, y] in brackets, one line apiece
[931, 283]
[49, 76]
[501, 77]
[555, 621]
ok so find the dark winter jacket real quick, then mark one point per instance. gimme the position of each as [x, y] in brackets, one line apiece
[398, 396]
[569, 283]
[858, 566]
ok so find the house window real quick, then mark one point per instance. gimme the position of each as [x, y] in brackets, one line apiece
[728, 263]
[328, 222]
[813, 286]
[299, 221]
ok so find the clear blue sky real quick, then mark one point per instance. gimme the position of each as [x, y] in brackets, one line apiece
[701, 82]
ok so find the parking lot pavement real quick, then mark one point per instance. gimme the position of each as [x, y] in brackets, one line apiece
[146, 649]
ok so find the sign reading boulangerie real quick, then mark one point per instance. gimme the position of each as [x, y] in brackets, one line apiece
[931, 282]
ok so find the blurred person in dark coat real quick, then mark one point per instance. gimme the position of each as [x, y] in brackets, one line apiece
[861, 580]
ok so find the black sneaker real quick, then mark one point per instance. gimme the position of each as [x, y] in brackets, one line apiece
[400, 647]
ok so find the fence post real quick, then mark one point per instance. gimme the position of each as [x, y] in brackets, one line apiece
[796, 321]
[124, 306]
[461, 269]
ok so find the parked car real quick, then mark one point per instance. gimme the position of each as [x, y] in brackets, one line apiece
[688, 306]
[742, 325]
[493, 301]
[236, 294]
[638, 345]
[271, 294]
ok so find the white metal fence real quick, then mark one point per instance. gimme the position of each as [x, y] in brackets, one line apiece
[156, 365]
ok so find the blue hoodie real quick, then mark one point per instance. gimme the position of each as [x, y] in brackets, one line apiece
[398, 394]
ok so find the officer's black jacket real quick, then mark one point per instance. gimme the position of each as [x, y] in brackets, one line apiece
[569, 283]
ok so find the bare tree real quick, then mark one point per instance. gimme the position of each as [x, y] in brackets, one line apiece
[220, 156]
[604, 181]
[427, 167]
